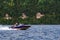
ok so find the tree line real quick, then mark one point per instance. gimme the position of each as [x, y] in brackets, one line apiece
[15, 8]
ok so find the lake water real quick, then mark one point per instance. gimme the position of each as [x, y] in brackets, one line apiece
[35, 32]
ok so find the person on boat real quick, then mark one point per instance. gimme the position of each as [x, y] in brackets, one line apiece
[16, 24]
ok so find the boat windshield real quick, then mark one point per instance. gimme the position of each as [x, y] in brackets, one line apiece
[20, 24]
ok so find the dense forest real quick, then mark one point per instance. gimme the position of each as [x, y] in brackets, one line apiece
[15, 8]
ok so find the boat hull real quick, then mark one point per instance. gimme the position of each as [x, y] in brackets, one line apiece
[21, 27]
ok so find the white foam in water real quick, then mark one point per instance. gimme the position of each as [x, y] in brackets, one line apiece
[6, 28]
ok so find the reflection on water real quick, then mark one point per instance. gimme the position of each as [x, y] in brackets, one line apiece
[35, 32]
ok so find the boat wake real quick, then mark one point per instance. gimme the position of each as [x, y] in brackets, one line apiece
[6, 28]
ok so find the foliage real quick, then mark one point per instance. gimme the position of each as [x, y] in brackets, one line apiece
[50, 8]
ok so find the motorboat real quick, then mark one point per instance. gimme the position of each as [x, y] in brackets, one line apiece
[19, 27]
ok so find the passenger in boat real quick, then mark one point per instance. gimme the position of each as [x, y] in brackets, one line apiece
[16, 24]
